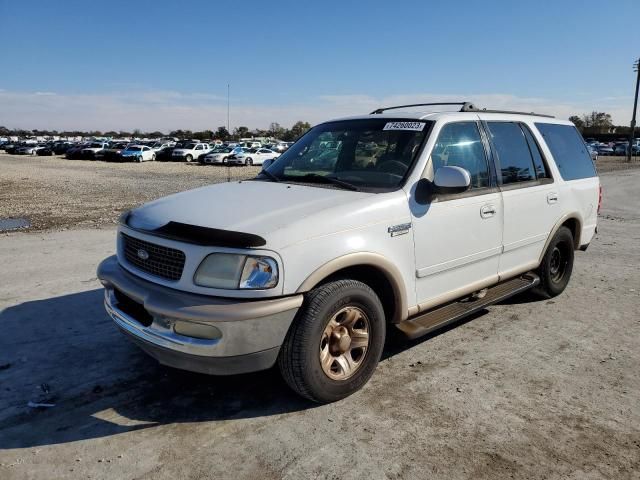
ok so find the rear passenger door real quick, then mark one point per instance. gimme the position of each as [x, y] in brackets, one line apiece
[529, 195]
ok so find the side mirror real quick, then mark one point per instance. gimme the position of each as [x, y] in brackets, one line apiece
[447, 180]
[267, 163]
[451, 180]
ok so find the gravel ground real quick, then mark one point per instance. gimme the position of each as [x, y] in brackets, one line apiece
[530, 389]
[53, 192]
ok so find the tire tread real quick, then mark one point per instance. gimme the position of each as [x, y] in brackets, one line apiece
[291, 355]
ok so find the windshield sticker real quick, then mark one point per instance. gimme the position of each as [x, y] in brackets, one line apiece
[413, 126]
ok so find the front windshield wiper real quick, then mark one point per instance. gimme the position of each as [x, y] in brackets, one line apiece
[334, 180]
[270, 175]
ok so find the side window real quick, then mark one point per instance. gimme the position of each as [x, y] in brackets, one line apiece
[538, 162]
[459, 145]
[514, 157]
[568, 149]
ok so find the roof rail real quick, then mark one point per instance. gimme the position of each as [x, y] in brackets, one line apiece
[464, 107]
[484, 110]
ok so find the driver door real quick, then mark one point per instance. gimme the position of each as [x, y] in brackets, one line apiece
[458, 237]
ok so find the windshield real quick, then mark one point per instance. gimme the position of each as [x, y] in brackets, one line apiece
[371, 153]
[134, 149]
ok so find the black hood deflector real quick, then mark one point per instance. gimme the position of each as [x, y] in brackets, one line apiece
[205, 236]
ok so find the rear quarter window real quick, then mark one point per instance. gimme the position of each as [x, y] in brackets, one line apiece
[568, 149]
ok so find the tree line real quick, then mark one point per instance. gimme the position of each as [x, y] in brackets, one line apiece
[598, 123]
[275, 130]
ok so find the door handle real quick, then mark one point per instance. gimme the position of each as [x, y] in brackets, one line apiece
[487, 211]
[552, 198]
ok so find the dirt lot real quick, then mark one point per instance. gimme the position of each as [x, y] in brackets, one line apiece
[53, 192]
[529, 389]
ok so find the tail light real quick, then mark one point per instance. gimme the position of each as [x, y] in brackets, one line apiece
[599, 198]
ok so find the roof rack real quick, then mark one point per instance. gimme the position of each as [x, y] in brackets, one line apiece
[484, 110]
[464, 107]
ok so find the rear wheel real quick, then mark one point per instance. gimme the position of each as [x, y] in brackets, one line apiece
[139, 158]
[557, 263]
[335, 343]
[153, 157]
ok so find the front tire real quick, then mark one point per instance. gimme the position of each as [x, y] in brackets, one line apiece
[557, 264]
[335, 342]
[248, 162]
[188, 158]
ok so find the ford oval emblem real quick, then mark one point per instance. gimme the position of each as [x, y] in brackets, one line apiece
[143, 254]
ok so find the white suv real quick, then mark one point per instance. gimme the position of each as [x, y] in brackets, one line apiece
[403, 222]
[190, 151]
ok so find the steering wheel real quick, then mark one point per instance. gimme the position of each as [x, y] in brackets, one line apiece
[393, 166]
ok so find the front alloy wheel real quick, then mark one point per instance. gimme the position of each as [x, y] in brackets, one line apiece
[344, 343]
[335, 342]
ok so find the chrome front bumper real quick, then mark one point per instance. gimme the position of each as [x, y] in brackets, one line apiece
[241, 335]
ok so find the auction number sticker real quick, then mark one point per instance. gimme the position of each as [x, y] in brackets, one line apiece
[413, 126]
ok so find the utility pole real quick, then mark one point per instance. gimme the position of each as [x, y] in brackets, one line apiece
[228, 131]
[636, 68]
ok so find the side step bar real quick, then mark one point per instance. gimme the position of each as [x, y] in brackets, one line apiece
[438, 317]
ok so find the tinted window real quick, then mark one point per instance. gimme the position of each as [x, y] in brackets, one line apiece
[459, 145]
[568, 150]
[374, 153]
[514, 158]
[538, 162]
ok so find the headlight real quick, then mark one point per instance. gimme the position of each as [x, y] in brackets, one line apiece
[230, 271]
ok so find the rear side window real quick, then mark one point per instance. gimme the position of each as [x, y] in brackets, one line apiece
[568, 150]
[514, 156]
[538, 162]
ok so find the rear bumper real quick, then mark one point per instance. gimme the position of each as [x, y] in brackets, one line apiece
[230, 335]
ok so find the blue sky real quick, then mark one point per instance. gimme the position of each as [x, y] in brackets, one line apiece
[165, 65]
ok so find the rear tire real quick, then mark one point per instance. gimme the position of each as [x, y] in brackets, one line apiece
[557, 264]
[335, 342]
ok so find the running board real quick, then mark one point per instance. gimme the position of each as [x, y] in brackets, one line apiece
[427, 322]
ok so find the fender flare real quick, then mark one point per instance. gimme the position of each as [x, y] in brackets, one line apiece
[576, 241]
[380, 262]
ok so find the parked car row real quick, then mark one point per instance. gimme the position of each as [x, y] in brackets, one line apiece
[618, 148]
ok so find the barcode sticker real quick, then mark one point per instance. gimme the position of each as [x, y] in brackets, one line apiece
[412, 126]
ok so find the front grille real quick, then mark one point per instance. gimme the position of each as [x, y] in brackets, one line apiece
[161, 261]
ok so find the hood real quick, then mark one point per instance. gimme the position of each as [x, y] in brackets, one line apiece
[280, 213]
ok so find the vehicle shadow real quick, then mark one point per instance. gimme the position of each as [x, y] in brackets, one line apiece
[66, 351]
[397, 344]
